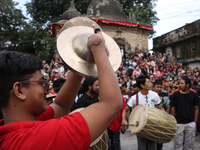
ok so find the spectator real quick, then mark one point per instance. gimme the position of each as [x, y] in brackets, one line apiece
[150, 70]
[126, 92]
[55, 75]
[158, 88]
[130, 51]
[89, 90]
[114, 131]
[135, 89]
[185, 108]
[56, 68]
[169, 57]
[157, 73]
[136, 71]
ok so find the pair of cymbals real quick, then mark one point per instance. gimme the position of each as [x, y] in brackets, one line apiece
[74, 51]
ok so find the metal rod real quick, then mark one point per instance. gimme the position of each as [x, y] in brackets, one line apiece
[136, 124]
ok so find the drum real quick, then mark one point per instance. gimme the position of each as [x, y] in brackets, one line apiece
[101, 143]
[152, 123]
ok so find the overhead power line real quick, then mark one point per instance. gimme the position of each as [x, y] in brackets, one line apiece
[180, 14]
[176, 4]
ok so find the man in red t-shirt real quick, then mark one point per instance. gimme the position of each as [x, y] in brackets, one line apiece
[28, 122]
[114, 130]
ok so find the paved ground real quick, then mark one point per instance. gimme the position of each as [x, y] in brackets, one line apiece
[129, 142]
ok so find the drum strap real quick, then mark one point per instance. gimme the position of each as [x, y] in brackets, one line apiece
[137, 100]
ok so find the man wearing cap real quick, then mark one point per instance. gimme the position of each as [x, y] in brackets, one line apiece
[90, 90]
[55, 75]
[56, 69]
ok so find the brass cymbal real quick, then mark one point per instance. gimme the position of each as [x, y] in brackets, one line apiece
[74, 51]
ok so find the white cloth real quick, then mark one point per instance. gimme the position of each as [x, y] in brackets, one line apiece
[151, 99]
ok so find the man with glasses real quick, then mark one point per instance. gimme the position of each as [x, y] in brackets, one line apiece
[28, 122]
[144, 97]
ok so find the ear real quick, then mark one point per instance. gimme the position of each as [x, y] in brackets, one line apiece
[142, 85]
[17, 89]
[89, 87]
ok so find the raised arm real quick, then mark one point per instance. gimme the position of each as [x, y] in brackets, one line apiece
[66, 96]
[100, 115]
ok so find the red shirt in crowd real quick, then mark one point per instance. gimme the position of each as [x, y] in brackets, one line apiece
[68, 132]
[116, 124]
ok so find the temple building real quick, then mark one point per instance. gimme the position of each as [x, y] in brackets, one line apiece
[108, 14]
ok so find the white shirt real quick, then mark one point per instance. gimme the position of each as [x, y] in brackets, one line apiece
[151, 99]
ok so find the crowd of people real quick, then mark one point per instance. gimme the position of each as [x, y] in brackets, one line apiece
[164, 77]
[135, 63]
[140, 73]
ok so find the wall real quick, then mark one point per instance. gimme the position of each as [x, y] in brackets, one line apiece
[135, 36]
[184, 42]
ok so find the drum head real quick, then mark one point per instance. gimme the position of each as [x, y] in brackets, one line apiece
[140, 115]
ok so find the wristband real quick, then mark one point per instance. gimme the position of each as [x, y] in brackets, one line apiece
[97, 30]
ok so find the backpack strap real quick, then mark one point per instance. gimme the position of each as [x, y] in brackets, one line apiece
[137, 100]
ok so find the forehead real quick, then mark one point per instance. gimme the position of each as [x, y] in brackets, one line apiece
[96, 82]
[37, 75]
[158, 85]
[147, 80]
[182, 81]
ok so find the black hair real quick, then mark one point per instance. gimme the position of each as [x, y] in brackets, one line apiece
[187, 80]
[88, 81]
[158, 82]
[124, 84]
[134, 85]
[141, 80]
[15, 67]
[58, 83]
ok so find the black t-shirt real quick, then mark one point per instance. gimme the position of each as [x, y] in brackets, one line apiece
[86, 100]
[1, 115]
[184, 104]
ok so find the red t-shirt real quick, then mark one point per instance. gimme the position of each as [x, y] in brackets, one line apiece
[116, 124]
[69, 132]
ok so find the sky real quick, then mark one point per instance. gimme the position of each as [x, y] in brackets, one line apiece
[173, 14]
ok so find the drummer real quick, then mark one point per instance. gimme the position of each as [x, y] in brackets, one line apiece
[144, 97]
[28, 122]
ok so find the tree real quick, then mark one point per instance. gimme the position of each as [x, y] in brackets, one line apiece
[11, 20]
[36, 39]
[143, 11]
